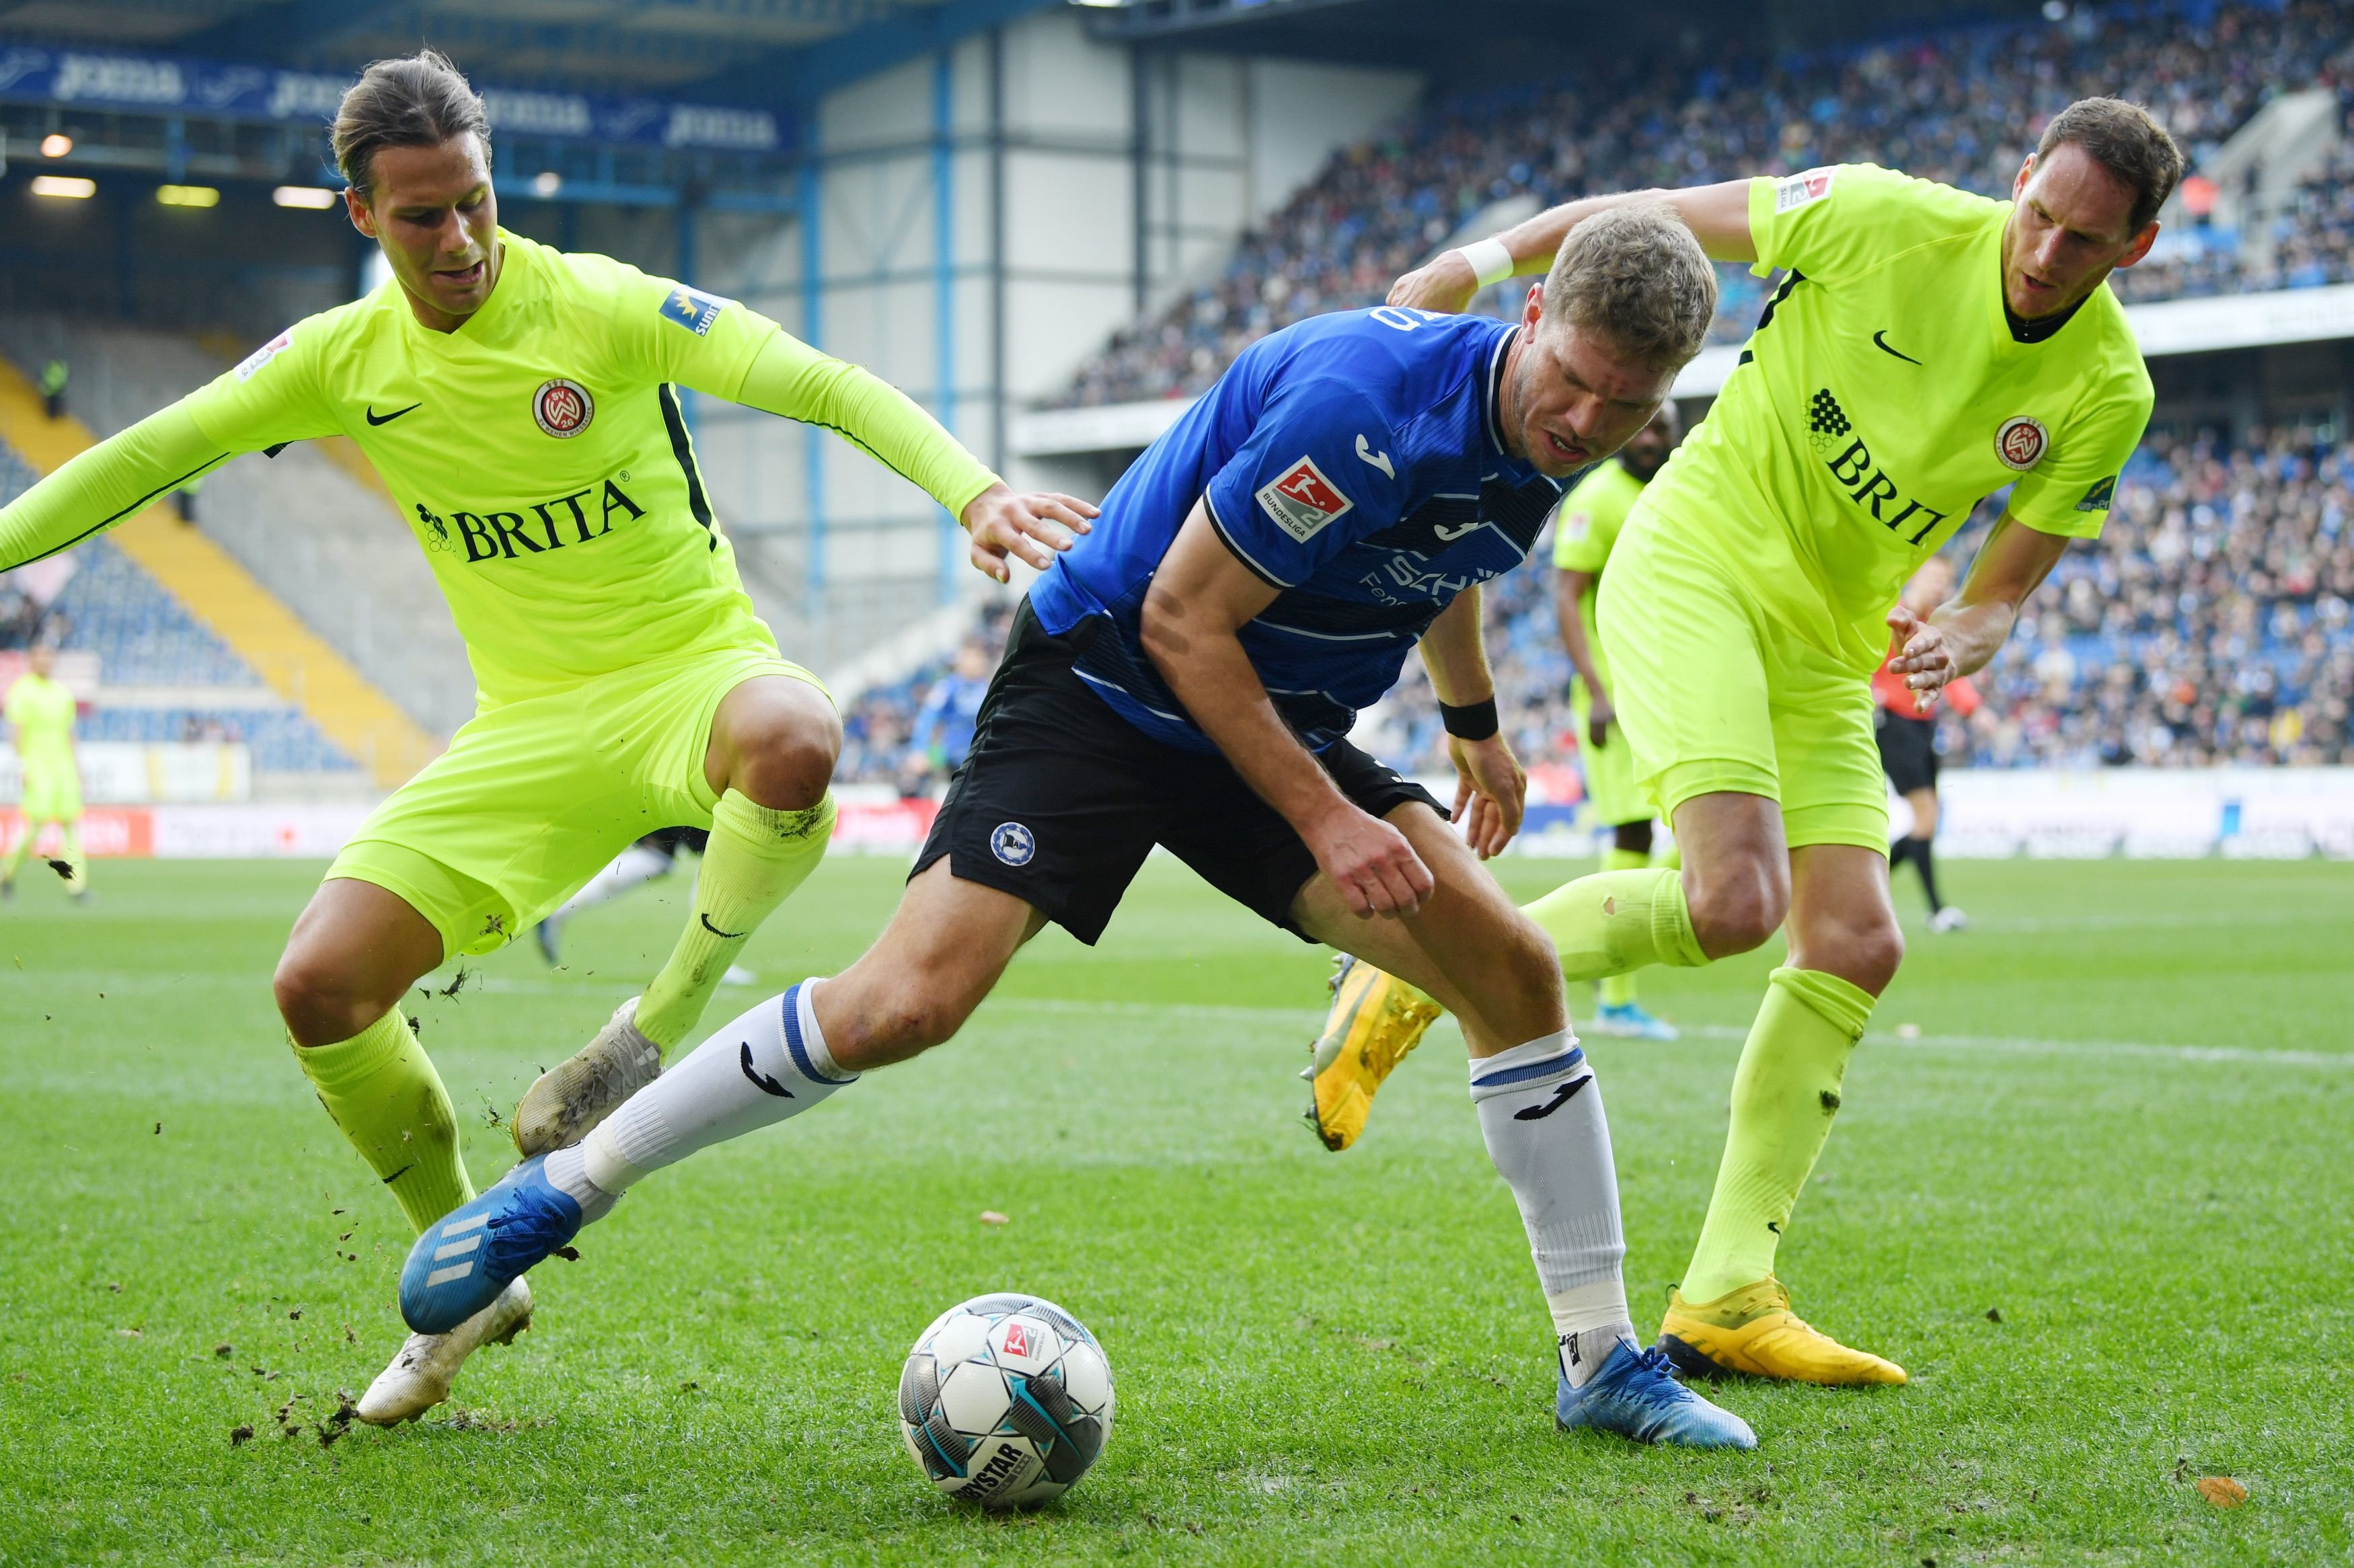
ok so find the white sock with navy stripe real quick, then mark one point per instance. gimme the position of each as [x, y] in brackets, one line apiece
[764, 1066]
[1541, 1113]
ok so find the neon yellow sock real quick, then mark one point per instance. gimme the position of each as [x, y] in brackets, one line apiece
[1615, 921]
[1618, 990]
[384, 1094]
[757, 857]
[1784, 1093]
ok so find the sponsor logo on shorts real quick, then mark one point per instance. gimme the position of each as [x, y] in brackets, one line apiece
[1302, 502]
[1012, 844]
[264, 355]
[562, 408]
[1800, 189]
[1833, 436]
[2021, 442]
[582, 517]
[2101, 497]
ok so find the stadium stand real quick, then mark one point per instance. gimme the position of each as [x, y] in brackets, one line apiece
[1959, 106]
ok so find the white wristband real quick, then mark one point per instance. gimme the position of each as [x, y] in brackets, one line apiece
[1489, 261]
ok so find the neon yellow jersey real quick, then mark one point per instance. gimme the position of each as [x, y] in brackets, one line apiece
[1591, 515]
[1884, 395]
[43, 712]
[537, 454]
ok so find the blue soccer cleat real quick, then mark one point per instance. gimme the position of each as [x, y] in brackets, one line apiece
[1634, 1395]
[1627, 1021]
[468, 1255]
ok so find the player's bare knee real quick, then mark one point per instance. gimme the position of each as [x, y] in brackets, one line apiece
[1872, 955]
[1736, 910]
[792, 771]
[317, 999]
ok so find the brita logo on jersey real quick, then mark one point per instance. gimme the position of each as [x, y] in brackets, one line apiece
[1301, 501]
[1850, 460]
[582, 517]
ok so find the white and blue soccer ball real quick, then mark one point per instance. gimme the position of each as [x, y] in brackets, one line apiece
[1005, 1401]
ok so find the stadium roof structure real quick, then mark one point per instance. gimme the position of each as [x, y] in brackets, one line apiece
[777, 55]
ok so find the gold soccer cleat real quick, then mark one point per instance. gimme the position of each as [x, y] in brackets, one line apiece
[1752, 1332]
[1375, 1020]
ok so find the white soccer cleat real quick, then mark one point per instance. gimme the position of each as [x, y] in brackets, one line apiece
[420, 1377]
[565, 1102]
[1949, 919]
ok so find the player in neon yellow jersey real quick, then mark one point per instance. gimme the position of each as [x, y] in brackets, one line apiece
[1926, 348]
[520, 403]
[1375, 1018]
[40, 713]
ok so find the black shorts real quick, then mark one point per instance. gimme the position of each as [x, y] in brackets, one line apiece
[1062, 798]
[1908, 751]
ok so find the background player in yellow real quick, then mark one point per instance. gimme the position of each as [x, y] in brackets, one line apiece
[520, 403]
[1592, 517]
[1926, 348]
[40, 713]
[1375, 1018]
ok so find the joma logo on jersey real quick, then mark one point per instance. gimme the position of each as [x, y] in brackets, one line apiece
[1850, 460]
[581, 518]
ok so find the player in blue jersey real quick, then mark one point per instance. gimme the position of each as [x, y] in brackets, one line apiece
[1186, 675]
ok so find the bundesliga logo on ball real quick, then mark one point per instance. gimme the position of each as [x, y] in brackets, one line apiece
[1005, 1401]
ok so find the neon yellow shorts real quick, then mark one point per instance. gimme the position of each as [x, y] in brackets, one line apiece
[1716, 695]
[52, 794]
[1609, 768]
[536, 797]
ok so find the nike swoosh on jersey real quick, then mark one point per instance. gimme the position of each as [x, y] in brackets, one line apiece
[1880, 341]
[376, 418]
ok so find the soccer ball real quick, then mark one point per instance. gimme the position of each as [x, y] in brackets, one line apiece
[1005, 1401]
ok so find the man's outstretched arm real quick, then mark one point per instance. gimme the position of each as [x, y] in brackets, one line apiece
[1961, 635]
[105, 484]
[1201, 598]
[791, 378]
[1717, 215]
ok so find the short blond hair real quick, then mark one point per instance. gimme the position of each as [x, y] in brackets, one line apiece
[1635, 277]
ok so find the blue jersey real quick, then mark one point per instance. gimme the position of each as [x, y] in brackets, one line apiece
[1353, 461]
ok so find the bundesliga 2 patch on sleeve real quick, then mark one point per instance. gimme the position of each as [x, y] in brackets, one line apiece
[253, 361]
[1301, 501]
[692, 309]
[1800, 189]
[2100, 497]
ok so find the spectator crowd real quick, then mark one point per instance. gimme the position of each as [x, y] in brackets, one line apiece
[1963, 107]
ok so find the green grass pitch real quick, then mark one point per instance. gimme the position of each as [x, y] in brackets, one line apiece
[2092, 1186]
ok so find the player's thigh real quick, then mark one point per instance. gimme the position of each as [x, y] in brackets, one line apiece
[1469, 947]
[1689, 677]
[1217, 824]
[1834, 788]
[499, 830]
[678, 729]
[1060, 798]
[943, 951]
